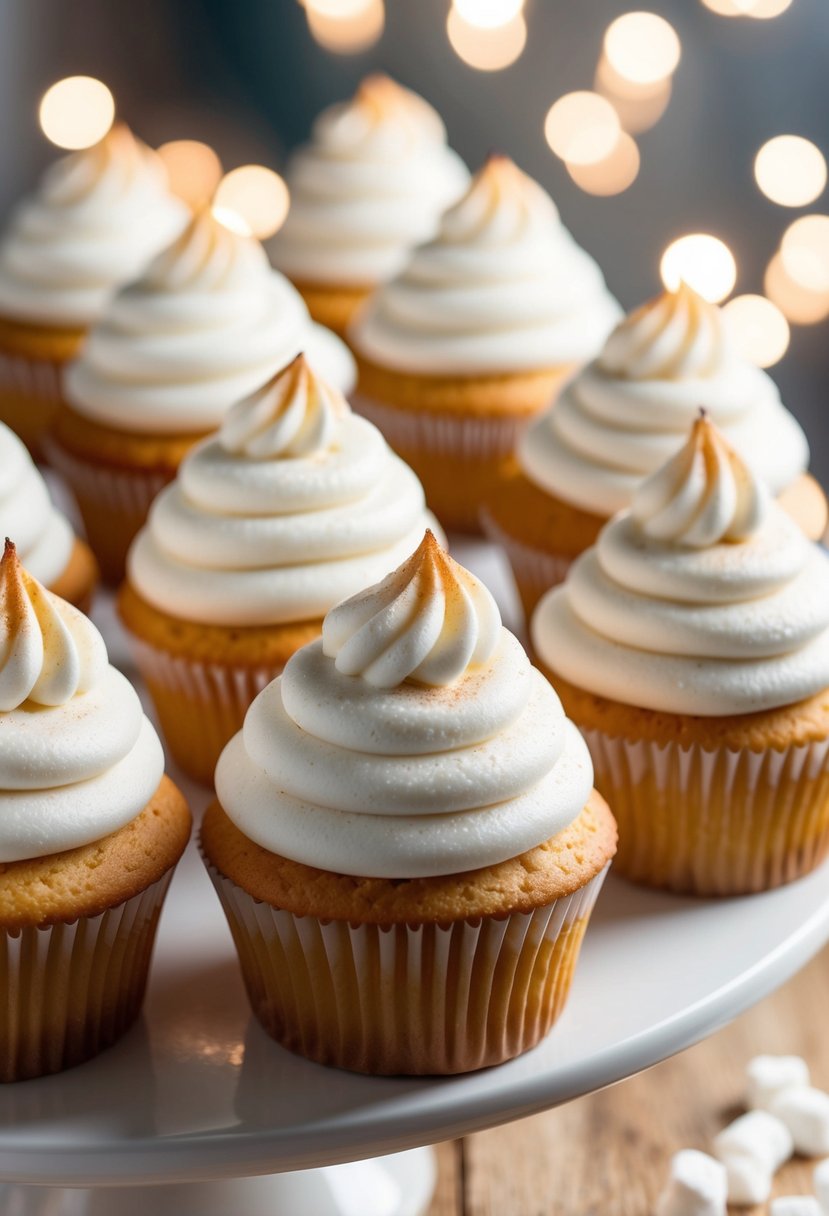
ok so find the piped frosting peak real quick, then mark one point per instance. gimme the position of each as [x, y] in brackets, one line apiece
[208, 255]
[427, 622]
[49, 651]
[704, 495]
[675, 335]
[501, 203]
[295, 414]
[379, 114]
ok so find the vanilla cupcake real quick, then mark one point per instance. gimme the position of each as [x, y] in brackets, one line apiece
[206, 324]
[369, 186]
[472, 339]
[96, 219]
[691, 647]
[406, 842]
[293, 505]
[624, 415]
[90, 832]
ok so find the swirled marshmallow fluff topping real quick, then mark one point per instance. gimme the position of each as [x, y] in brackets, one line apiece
[43, 536]
[413, 739]
[704, 598]
[207, 323]
[370, 185]
[78, 759]
[96, 219]
[502, 287]
[630, 409]
[294, 504]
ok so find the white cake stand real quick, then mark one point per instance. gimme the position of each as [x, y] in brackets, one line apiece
[197, 1101]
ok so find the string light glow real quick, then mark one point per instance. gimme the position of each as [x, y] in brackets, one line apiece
[76, 112]
[345, 27]
[642, 47]
[193, 168]
[805, 252]
[802, 305]
[790, 171]
[612, 175]
[704, 262]
[582, 128]
[256, 194]
[758, 328]
[488, 50]
[488, 14]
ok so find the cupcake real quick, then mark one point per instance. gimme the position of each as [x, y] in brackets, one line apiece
[406, 842]
[294, 504]
[370, 185]
[207, 323]
[97, 218]
[691, 647]
[46, 544]
[622, 417]
[90, 832]
[475, 335]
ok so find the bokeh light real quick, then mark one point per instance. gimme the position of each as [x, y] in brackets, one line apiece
[231, 219]
[488, 50]
[488, 14]
[758, 329]
[582, 128]
[639, 106]
[790, 170]
[611, 175]
[805, 252]
[802, 305]
[76, 112]
[702, 261]
[258, 195]
[642, 47]
[761, 10]
[193, 168]
[345, 27]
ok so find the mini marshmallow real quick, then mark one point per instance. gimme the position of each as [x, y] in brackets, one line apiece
[749, 1183]
[795, 1205]
[821, 1184]
[696, 1186]
[805, 1112]
[758, 1135]
[770, 1075]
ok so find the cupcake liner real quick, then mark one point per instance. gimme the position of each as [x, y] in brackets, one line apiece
[407, 999]
[70, 990]
[714, 822]
[113, 504]
[30, 393]
[535, 572]
[200, 705]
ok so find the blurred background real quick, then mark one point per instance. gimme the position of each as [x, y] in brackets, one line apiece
[706, 119]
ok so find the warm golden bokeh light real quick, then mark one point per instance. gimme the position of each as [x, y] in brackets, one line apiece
[702, 261]
[761, 10]
[345, 27]
[639, 107]
[790, 170]
[488, 14]
[802, 305]
[613, 174]
[805, 252]
[758, 329]
[193, 168]
[724, 8]
[488, 50]
[582, 128]
[258, 195]
[642, 47]
[76, 112]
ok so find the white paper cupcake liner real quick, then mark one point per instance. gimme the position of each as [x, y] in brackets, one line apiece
[70, 990]
[41, 378]
[534, 571]
[470, 437]
[407, 999]
[714, 822]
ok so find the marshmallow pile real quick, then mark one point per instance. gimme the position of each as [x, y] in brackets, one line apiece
[786, 1115]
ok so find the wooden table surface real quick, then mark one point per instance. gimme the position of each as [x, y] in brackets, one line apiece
[607, 1154]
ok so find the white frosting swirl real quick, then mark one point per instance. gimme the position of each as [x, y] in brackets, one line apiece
[97, 218]
[295, 504]
[503, 287]
[706, 599]
[43, 536]
[629, 410]
[207, 323]
[371, 184]
[78, 759]
[456, 766]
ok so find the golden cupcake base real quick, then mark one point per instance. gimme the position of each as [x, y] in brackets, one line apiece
[79, 579]
[333, 305]
[32, 358]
